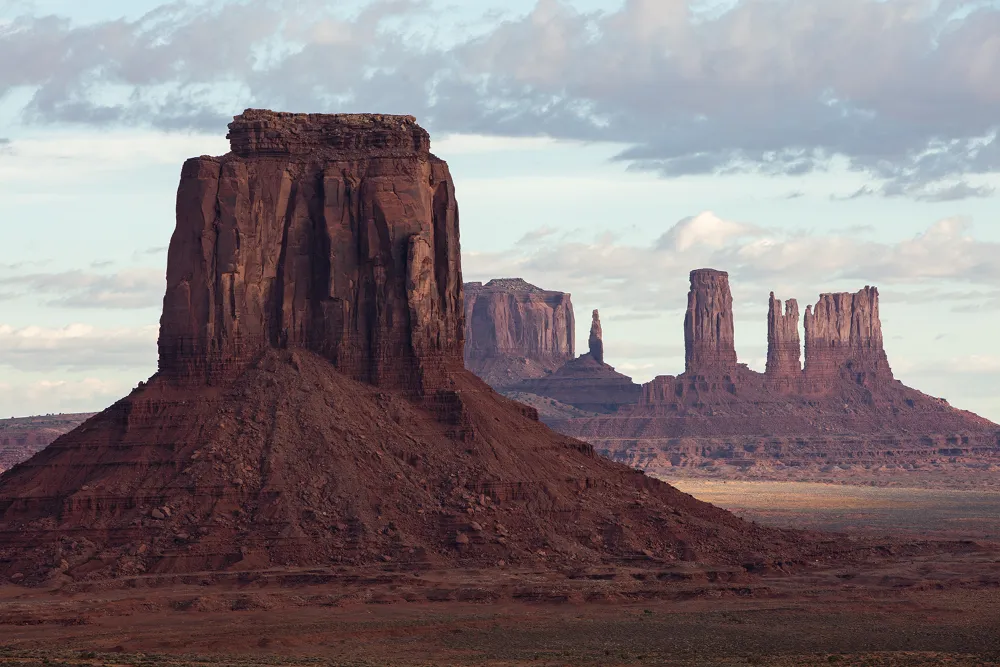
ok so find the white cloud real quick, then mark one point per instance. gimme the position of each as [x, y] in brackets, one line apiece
[643, 278]
[77, 347]
[126, 289]
[706, 230]
[58, 396]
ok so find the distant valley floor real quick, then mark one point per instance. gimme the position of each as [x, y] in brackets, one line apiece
[931, 513]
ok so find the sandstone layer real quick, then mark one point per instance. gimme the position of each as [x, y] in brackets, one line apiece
[311, 408]
[516, 331]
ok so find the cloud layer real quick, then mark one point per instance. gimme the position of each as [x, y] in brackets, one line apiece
[77, 347]
[945, 263]
[126, 289]
[903, 90]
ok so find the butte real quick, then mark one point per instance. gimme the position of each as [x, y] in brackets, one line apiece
[311, 407]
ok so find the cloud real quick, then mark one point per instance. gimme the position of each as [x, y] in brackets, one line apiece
[638, 279]
[58, 396]
[704, 230]
[77, 347]
[127, 289]
[904, 90]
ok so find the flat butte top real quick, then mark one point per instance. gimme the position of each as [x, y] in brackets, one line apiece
[263, 133]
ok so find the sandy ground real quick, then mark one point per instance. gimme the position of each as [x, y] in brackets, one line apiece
[962, 514]
[917, 601]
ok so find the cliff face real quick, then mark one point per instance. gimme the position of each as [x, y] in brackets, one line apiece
[708, 325]
[337, 234]
[844, 330]
[516, 331]
[784, 350]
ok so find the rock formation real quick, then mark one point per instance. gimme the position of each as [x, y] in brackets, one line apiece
[708, 325]
[311, 408]
[843, 331]
[844, 402]
[22, 437]
[516, 331]
[336, 234]
[784, 350]
[596, 339]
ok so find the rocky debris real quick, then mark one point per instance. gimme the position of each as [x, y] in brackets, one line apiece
[311, 409]
[21, 437]
[596, 340]
[516, 331]
[784, 351]
[708, 324]
[844, 329]
[337, 234]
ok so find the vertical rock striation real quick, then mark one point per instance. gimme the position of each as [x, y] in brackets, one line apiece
[596, 341]
[708, 325]
[333, 233]
[843, 331]
[784, 349]
[516, 331]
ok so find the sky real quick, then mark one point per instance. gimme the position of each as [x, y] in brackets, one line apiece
[599, 147]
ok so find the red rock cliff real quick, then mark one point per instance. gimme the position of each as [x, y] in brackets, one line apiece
[323, 232]
[784, 349]
[516, 331]
[844, 329]
[708, 324]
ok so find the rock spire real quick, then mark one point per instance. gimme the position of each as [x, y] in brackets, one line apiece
[784, 349]
[708, 324]
[844, 329]
[596, 338]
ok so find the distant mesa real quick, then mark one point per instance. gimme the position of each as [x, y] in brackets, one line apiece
[516, 331]
[22, 437]
[311, 408]
[838, 399]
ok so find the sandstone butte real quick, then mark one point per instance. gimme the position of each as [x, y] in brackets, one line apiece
[311, 407]
[516, 331]
[843, 404]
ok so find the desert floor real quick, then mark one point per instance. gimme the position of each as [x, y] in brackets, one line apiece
[932, 598]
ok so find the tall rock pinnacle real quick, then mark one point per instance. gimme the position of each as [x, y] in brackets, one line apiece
[596, 339]
[783, 347]
[334, 233]
[708, 324]
[844, 328]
